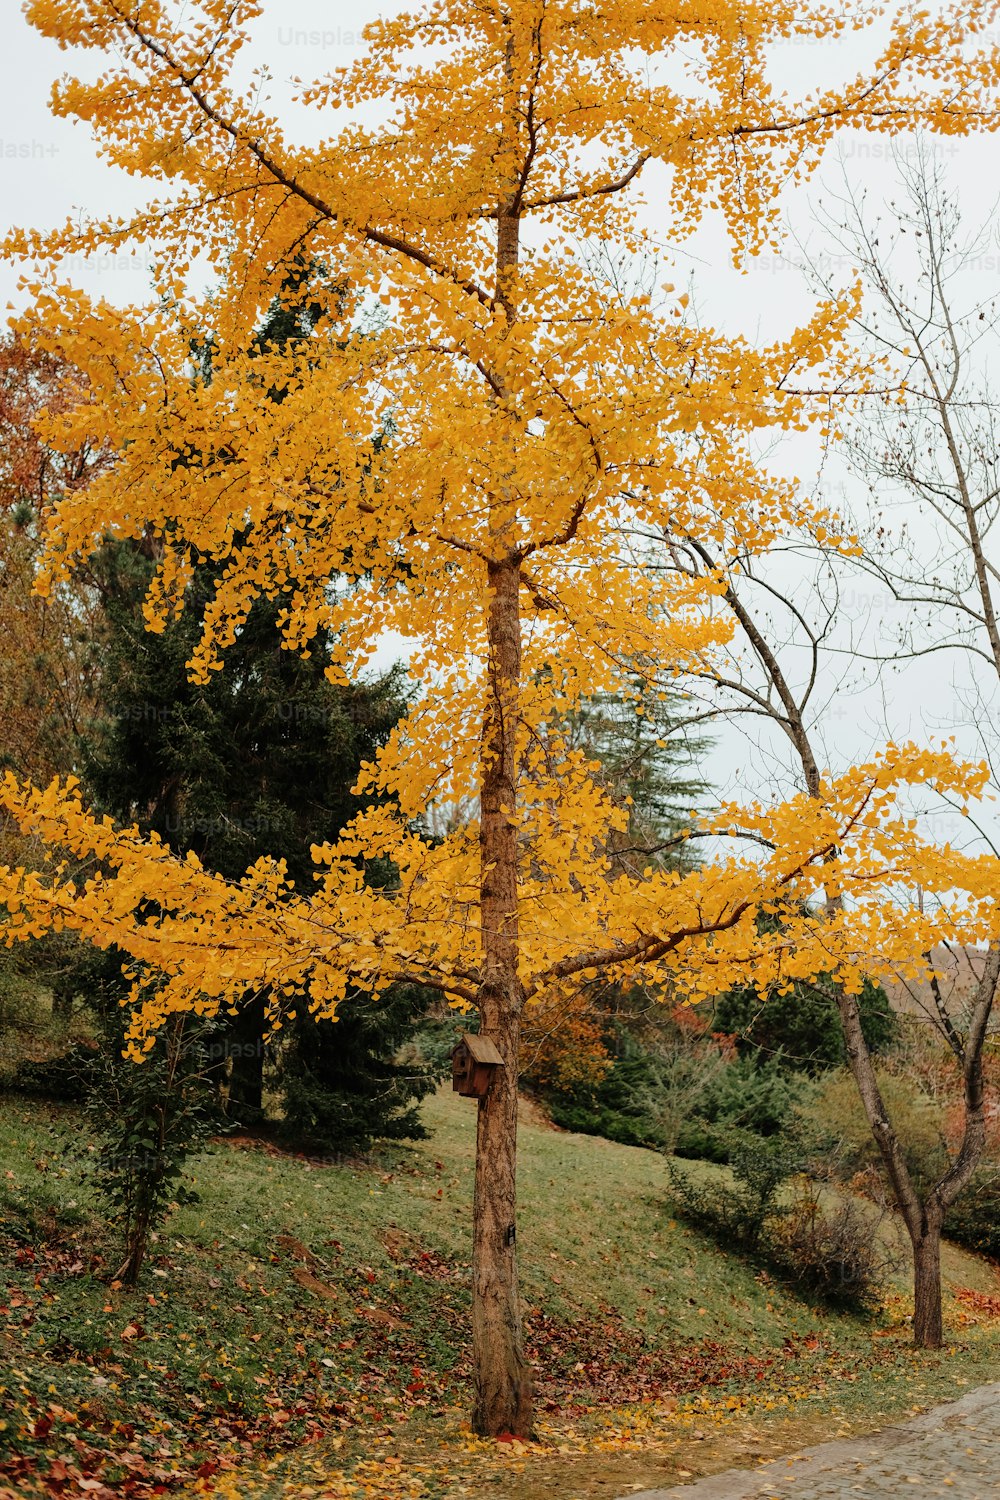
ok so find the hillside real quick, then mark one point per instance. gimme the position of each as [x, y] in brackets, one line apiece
[307, 1303]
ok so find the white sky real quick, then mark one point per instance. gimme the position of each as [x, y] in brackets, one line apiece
[49, 169]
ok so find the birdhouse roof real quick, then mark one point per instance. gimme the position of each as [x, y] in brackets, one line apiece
[482, 1049]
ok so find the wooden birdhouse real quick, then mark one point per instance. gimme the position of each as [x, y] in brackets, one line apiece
[473, 1064]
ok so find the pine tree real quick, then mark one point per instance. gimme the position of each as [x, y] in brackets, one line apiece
[650, 765]
[259, 761]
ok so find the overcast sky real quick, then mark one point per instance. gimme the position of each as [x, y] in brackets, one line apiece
[50, 169]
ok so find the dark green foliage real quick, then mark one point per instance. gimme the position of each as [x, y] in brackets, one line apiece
[736, 1212]
[625, 1106]
[674, 1091]
[259, 761]
[65, 1078]
[649, 763]
[747, 1099]
[974, 1220]
[769, 1213]
[801, 1030]
[148, 1119]
[341, 1083]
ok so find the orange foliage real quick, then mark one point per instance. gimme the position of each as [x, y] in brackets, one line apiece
[477, 447]
[463, 466]
[46, 674]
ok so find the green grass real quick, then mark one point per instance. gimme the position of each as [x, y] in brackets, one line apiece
[235, 1345]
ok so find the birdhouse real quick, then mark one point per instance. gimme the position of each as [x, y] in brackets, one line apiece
[473, 1063]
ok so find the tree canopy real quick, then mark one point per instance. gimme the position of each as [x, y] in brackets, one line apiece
[477, 447]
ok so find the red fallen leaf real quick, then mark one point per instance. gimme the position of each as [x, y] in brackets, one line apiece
[207, 1469]
[506, 1437]
[130, 1331]
[42, 1427]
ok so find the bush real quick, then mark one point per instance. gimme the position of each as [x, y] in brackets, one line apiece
[974, 1220]
[65, 1079]
[736, 1209]
[747, 1099]
[677, 1092]
[833, 1114]
[624, 1106]
[831, 1256]
[149, 1117]
[800, 1028]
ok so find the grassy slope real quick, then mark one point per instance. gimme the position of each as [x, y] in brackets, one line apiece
[351, 1329]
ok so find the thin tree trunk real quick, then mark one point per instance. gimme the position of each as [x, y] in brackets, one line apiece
[502, 1376]
[128, 1275]
[928, 1324]
[245, 1047]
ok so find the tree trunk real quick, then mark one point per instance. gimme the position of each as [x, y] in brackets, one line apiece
[245, 1048]
[138, 1244]
[922, 1221]
[928, 1325]
[502, 1377]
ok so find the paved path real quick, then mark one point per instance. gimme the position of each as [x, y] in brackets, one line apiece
[952, 1451]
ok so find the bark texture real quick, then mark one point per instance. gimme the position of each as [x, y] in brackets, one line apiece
[928, 1322]
[501, 1373]
[502, 1400]
[502, 1377]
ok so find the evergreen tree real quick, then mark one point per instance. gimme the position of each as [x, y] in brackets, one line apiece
[650, 764]
[257, 762]
[800, 1029]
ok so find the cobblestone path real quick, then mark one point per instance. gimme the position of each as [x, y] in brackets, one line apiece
[952, 1451]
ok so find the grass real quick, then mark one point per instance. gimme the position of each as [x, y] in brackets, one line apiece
[304, 1324]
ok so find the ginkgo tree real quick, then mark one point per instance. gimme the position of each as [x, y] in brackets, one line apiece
[460, 450]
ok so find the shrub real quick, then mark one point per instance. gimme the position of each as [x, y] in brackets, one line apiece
[624, 1106]
[974, 1220]
[833, 1114]
[800, 1028]
[746, 1099]
[832, 1256]
[65, 1078]
[679, 1092]
[735, 1209]
[149, 1118]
